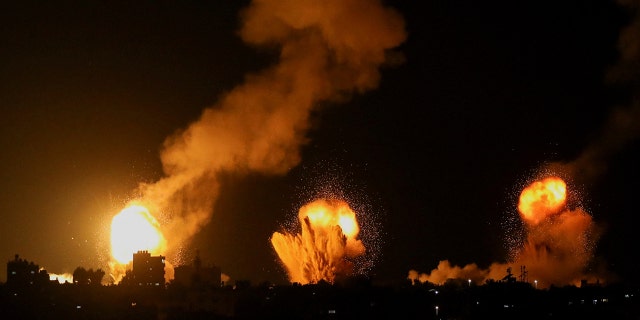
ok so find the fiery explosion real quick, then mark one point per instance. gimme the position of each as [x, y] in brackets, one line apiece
[133, 229]
[327, 242]
[557, 248]
[329, 50]
[541, 199]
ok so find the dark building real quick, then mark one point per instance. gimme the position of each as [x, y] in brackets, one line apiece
[197, 275]
[81, 276]
[147, 270]
[21, 272]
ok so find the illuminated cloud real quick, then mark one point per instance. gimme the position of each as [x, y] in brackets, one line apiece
[328, 50]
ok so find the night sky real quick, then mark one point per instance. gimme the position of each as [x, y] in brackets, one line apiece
[480, 98]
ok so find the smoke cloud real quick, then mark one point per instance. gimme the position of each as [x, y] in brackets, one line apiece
[621, 127]
[558, 250]
[328, 50]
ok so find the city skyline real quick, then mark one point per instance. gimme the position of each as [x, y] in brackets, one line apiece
[471, 105]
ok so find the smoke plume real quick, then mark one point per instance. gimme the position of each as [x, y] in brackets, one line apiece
[328, 50]
[558, 249]
[622, 126]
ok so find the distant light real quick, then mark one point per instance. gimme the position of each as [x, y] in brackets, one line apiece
[332, 311]
[78, 307]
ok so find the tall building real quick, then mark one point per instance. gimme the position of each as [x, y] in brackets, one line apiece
[147, 270]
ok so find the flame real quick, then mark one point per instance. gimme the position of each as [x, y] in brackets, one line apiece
[61, 278]
[323, 214]
[134, 229]
[327, 241]
[555, 251]
[542, 199]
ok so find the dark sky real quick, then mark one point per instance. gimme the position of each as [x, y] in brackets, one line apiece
[437, 153]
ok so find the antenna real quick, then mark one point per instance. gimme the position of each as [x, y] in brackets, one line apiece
[523, 274]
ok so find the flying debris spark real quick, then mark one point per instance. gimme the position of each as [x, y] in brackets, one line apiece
[558, 242]
[326, 245]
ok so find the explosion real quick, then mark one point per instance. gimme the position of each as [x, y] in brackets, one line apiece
[324, 248]
[132, 230]
[328, 51]
[557, 248]
[558, 242]
[541, 199]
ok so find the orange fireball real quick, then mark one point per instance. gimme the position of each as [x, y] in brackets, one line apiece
[542, 199]
[134, 229]
[327, 241]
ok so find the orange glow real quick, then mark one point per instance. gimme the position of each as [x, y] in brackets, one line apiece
[323, 214]
[134, 229]
[61, 278]
[557, 248]
[542, 199]
[327, 241]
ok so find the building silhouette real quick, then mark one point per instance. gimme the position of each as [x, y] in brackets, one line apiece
[22, 273]
[197, 275]
[147, 270]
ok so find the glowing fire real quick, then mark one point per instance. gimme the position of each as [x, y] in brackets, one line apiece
[324, 214]
[557, 248]
[542, 199]
[327, 241]
[134, 229]
[61, 278]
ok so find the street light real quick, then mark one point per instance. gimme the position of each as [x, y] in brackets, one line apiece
[437, 311]
[469, 282]
[535, 282]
